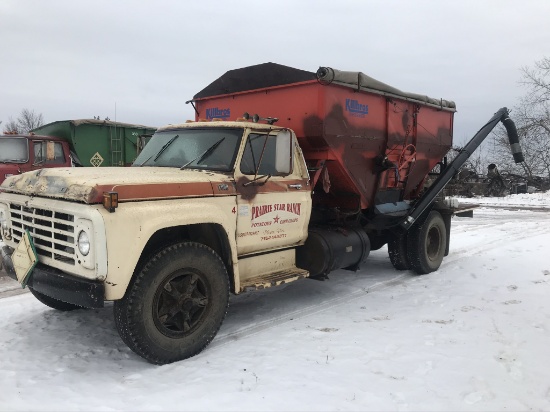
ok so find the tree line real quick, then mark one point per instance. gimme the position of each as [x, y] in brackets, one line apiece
[532, 118]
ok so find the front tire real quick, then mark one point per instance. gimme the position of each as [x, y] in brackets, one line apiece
[175, 304]
[426, 244]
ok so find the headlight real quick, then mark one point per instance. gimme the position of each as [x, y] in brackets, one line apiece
[83, 243]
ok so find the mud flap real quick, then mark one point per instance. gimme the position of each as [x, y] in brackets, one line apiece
[447, 219]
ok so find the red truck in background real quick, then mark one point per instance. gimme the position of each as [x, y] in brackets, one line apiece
[85, 142]
[16, 156]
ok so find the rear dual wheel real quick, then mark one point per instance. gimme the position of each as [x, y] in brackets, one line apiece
[426, 244]
[397, 250]
[422, 247]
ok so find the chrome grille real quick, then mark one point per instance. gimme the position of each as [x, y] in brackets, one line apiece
[52, 232]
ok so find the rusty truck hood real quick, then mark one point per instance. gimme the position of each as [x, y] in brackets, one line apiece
[131, 183]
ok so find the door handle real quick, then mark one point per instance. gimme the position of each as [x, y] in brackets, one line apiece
[296, 186]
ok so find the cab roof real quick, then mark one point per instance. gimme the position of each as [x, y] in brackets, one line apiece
[32, 136]
[219, 124]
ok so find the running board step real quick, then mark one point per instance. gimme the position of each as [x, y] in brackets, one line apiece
[274, 279]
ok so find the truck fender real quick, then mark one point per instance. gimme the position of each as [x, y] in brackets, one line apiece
[127, 240]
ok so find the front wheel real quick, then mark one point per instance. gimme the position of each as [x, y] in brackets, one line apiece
[175, 305]
[426, 244]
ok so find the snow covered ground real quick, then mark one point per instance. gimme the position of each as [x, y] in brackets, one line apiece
[540, 200]
[475, 335]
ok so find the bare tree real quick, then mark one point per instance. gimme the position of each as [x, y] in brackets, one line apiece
[11, 126]
[532, 118]
[27, 121]
[477, 163]
[537, 80]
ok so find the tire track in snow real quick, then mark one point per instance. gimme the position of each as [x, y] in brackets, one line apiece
[467, 229]
[225, 338]
[498, 242]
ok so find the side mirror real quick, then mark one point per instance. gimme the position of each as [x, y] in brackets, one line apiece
[283, 150]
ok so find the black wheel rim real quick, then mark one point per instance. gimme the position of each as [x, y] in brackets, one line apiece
[181, 303]
[433, 243]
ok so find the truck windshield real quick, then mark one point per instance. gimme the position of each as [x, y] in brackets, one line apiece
[13, 150]
[212, 149]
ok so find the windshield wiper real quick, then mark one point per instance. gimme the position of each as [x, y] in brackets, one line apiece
[204, 155]
[162, 149]
[12, 161]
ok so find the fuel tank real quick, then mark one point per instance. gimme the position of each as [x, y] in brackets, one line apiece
[328, 249]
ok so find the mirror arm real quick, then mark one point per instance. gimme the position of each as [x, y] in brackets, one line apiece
[255, 180]
[261, 156]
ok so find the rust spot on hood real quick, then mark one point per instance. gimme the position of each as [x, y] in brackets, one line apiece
[35, 184]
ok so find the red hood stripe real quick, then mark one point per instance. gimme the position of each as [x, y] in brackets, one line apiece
[162, 191]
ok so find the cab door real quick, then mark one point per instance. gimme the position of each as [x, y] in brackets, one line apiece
[273, 193]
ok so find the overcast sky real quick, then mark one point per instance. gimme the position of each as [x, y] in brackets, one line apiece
[72, 59]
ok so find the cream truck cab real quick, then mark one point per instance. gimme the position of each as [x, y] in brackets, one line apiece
[208, 208]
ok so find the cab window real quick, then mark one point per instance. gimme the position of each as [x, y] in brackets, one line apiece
[277, 156]
[48, 153]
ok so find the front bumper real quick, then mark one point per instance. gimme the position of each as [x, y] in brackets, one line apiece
[59, 285]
